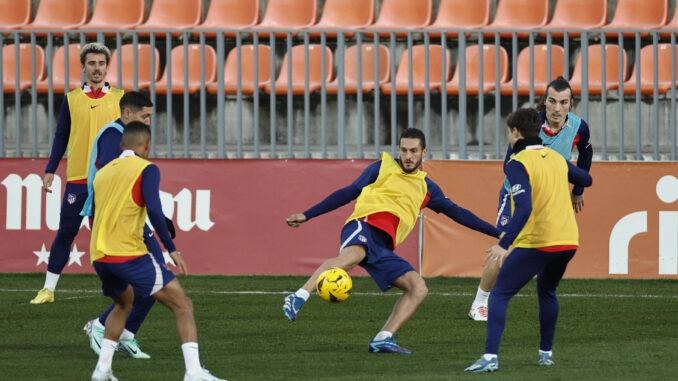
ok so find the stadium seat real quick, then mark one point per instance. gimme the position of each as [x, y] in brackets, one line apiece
[367, 65]
[403, 14]
[671, 26]
[647, 70]
[419, 70]
[59, 71]
[298, 70]
[116, 15]
[173, 14]
[230, 14]
[344, 14]
[194, 65]
[288, 15]
[578, 14]
[472, 72]
[540, 70]
[9, 60]
[247, 70]
[59, 14]
[638, 14]
[143, 71]
[457, 14]
[595, 70]
[15, 13]
[519, 14]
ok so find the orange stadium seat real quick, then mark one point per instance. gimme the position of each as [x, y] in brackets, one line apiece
[248, 66]
[143, 71]
[173, 14]
[638, 14]
[59, 14]
[315, 74]
[367, 65]
[116, 15]
[671, 26]
[473, 74]
[595, 71]
[647, 70]
[541, 79]
[230, 14]
[15, 13]
[9, 60]
[457, 14]
[344, 14]
[288, 15]
[59, 71]
[194, 64]
[419, 70]
[520, 14]
[578, 14]
[403, 14]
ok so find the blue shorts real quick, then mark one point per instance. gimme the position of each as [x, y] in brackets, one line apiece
[383, 265]
[146, 275]
[504, 209]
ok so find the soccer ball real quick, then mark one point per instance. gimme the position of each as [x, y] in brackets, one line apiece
[334, 285]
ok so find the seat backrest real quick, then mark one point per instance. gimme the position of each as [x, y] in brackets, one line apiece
[540, 58]
[123, 12]
[233, 12]
[367, 63]
[647, 64]
[489, 60]
[175, 12]
[9, 60]
[290, 12]
[314, 64]
[61, 12]
[194, 64]
[522, 12]
[348, 12]
[144, 65]
[419, 68]
[458, 12]
[406, 12]
[652, 13]
[74, 65]
[15, 12]
[248, 65]
[580, 12]
[595, 70]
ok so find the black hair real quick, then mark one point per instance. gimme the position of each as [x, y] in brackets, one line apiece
[135, 101]
[559, 84]
[134, 134]
[526, 120]
[414, 133]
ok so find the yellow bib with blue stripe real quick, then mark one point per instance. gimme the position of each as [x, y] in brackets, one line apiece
[395, 192]
[118, 228]
[88, 116]
[552, 221]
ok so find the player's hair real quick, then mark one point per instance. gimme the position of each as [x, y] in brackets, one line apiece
[135, 101]
[135, 134]
[414, 133]
[559, 84]
[526, 120]
[94, 47]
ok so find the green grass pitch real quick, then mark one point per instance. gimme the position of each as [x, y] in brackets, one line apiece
[608, 330]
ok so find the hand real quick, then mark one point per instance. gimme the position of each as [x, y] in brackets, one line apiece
[176, 257]
[295, 220]
[47, 182]
[577, 202]
[496, 253]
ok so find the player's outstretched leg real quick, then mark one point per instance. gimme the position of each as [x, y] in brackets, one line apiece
[478, 310]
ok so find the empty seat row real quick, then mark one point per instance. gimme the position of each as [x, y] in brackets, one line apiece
[337, 14]
[261, 66]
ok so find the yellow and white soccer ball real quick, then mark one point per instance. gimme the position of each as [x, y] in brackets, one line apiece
[334, 285]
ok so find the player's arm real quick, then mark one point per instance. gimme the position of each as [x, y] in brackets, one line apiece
[339, 197]
[585, 153]
[59, 145]
[108, 147]
[577, 176]
[439, 203]
[522, 197]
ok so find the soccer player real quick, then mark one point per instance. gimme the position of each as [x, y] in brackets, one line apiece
[83, 112]
[561, 131]
[543, 234]
[389, 195]
[126, 191]
[134, 106]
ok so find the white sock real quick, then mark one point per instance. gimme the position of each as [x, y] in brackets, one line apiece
[489, 356]
[383, 335]
[126, 335]
[481, 297]
[106, 356]
[98, 324]
[191, 357]
[550, 353]
[51, 280]
[302, 294]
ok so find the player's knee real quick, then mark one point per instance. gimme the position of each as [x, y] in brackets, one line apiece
[419, 289]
